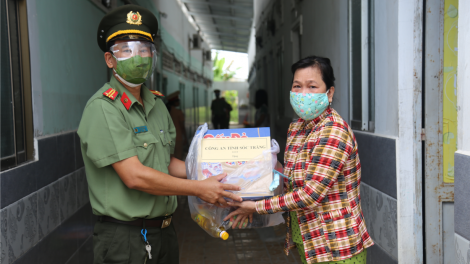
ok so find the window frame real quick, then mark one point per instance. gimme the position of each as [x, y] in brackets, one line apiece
[367, 87]
[20, 84]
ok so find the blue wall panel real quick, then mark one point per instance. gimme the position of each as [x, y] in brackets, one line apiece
[72, 65]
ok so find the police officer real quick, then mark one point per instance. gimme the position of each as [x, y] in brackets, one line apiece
[126, 137]
[177, 116]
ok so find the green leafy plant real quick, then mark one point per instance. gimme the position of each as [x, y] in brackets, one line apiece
[221, 74]
[231, 96]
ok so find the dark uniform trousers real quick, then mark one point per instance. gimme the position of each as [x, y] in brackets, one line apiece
[123, 244]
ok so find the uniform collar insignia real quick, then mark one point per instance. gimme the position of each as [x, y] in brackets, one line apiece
[134, 18]
[157, 93]
[111, 93]
[126, 101]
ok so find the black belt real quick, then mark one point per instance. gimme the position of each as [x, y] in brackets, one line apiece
[163, 221]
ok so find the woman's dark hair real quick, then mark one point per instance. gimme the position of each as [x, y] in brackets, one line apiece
[261, 97]
[324, 64]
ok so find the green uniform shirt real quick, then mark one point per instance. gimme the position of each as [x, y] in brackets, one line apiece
[107, 135]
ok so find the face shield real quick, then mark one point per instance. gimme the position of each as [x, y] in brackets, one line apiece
[136, 61]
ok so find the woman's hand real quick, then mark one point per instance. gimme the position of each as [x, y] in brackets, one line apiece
[240, 220]
[241, 215]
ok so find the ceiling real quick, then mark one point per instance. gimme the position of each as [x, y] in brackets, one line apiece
[225, 24]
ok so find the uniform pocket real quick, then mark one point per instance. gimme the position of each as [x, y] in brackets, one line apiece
[146, 144]
[165, 138]
[167, 144]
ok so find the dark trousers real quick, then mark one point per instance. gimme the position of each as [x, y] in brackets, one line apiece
[119, 244]
[220, 123]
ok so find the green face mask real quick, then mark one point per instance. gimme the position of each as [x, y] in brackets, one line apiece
[134, 69]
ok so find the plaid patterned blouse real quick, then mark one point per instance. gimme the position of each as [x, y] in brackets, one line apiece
[322, 159]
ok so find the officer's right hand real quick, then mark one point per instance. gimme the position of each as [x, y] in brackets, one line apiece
[211, 190]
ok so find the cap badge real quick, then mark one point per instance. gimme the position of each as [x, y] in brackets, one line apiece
[134, 18]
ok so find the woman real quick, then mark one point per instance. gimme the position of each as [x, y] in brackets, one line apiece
[262, 111]
[322, 163]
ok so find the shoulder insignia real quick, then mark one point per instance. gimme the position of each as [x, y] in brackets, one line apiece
[111, 93]
[157, 93]
[126, 101]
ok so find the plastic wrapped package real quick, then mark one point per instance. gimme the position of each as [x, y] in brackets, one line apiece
[255, 177]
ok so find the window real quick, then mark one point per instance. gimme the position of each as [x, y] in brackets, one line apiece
[281, 91]
[177, 65]
[361, 64]
[206, 106]
[296, 39]
[182, 96]
[164, 85]
[157, 82]
[167, 61]
[196, 107]
[16, 128]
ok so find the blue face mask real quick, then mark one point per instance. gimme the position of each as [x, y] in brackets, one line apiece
[309, 106]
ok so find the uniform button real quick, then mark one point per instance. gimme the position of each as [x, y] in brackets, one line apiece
[125, 100]
[145, 145]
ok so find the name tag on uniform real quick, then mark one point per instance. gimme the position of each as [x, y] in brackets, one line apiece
[141, 129]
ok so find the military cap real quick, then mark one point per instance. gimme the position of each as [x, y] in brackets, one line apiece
[173, 96]
[127, 22]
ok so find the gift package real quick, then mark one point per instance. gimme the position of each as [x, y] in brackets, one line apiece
[244, 154]
[248, 156]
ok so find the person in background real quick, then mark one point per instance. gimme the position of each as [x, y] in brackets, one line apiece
[220, 111]
[173, 104]
[229, 109]
[262, 111]
[324, 171]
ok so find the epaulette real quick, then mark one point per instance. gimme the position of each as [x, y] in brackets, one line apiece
[111, 93]
[157, 93]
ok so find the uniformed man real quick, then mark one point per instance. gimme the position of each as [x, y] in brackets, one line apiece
[126, 137]
[178, 120]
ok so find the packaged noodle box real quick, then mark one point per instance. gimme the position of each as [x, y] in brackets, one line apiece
[244, 154]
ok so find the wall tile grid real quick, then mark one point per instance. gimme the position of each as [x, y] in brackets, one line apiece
[380, 213]
[59, 155]
[378, 160]
[376, 254]
[462, 208]
[462, 195]
[29, 220]
[462, 250]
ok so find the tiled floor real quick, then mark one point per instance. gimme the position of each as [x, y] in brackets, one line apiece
[242, 247]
